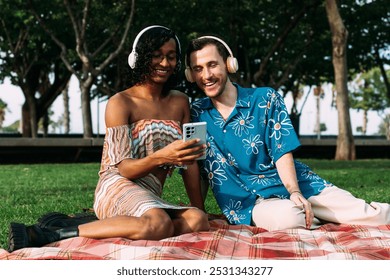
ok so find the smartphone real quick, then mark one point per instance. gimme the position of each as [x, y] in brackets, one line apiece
[195, 130]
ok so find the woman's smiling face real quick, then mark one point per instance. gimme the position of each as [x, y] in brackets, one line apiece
[164, 62]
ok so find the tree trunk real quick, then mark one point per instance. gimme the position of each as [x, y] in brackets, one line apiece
[66, 116]
[318, 117]
[365, 121]
[25, 122]
[345, 149]
[33, 118]
[2, 114]
[45, 124]
[388, 130]
[85, 87]
[29, 115]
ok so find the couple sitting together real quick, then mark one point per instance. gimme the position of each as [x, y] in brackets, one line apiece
[249, 164]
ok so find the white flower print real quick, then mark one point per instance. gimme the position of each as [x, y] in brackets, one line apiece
[219, 121]
[241, 124]
[222, 160]
[271, 93]
[270, 154]
[321, 185]
[232, 210]
[308, 174]
[264, 104]
[243, 186]
[280, 126]
[210, 149]
[276, 99]
[243, 103]
[301, 165]
[215, 173]
[263, 167]
[280, 196]
[195, 108]
[231, 160]
[262, 179]
[252, 143]
[280, 147]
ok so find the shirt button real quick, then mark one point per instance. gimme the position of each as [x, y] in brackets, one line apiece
[224, 131]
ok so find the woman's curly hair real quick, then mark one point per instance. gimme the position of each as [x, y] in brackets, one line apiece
[149, 42]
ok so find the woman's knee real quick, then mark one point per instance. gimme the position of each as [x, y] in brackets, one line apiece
[156, 228]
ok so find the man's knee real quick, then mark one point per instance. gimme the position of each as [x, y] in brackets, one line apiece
[284, 214]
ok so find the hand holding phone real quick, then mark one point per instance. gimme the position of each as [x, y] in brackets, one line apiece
[193, 131]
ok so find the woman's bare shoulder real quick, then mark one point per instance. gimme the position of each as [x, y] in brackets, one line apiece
[119, 99]
[118, 109]
[119, 96]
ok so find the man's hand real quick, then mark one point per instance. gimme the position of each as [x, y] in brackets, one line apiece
[300, 201]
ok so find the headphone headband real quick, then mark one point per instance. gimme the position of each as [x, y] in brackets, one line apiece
[133, 55]
[219, 40]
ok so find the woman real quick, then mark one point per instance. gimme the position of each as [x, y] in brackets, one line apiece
[142, 146]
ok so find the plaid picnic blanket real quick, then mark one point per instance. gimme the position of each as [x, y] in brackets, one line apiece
[225, 241]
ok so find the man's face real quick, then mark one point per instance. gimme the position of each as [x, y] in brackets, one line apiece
[209, 71]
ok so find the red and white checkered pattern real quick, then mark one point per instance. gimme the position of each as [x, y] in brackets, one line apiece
[225, 241]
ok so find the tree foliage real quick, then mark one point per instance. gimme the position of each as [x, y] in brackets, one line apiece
[281, 43]
[97, 39]
[368, 91]
[31, 62]
[3, 107]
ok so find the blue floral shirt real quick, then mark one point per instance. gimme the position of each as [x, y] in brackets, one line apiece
[242, 151]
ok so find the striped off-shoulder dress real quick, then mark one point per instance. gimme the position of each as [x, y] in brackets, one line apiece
[116, 195]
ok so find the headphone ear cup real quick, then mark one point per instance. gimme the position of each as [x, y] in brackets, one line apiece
[188, 74]
[132, 59]
[232, 64]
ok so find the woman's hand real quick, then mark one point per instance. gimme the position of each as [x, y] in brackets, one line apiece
[301, 201]
[180, 152]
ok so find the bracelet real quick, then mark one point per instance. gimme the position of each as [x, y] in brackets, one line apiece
[295, 192]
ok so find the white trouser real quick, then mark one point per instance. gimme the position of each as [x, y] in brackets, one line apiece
[332, 205]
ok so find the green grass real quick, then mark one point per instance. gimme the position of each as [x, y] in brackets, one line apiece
[28, 191]
[367, 179]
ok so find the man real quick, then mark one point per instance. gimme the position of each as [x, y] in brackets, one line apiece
[249, 163]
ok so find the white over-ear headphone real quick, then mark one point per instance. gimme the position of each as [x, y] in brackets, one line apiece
[133, 55]
[231, 61]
